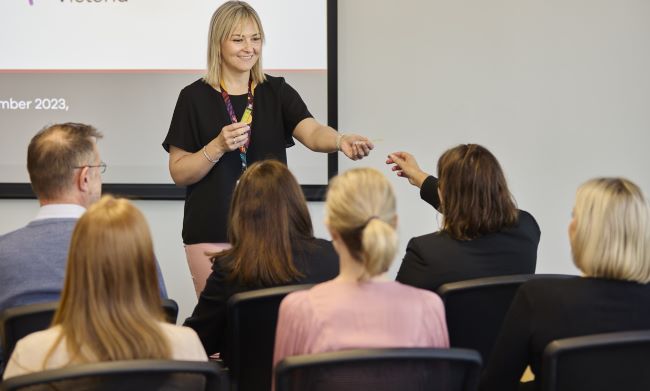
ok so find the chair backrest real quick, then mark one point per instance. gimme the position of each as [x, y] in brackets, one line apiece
[610, 361]
[129, 375]
[18, 322]
[381, 369]
[475, 309]
[171, 310]
[252, 319]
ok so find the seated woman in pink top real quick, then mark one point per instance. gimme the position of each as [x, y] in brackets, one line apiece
[360, 308]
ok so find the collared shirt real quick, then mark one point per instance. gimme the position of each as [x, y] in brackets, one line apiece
[59, 211]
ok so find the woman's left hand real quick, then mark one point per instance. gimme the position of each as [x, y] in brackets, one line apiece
[355, 147]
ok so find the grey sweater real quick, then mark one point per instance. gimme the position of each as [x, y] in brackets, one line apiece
[32, 262]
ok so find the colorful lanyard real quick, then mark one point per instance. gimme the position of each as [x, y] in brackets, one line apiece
[247, 118]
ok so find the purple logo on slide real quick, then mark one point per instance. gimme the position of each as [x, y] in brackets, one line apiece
[31, 2]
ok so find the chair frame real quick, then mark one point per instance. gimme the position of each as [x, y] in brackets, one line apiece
[448, 290]
[355, 355]
[234, 322]
[555, 349]
[216, 376]
[479, 283]
[170, 307]
[19, 311]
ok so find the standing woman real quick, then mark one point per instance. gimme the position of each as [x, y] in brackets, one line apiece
[234, 116]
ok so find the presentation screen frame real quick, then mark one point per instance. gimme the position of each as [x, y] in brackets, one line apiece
[163, 191]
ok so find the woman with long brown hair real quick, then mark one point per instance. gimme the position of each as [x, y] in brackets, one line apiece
[110, 306]
[272, 244]
[483, 234]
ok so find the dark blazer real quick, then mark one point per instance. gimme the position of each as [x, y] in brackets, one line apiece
[436, 258]
[315, 259]
[546, 310]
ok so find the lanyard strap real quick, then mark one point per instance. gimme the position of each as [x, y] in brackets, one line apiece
[246, 118]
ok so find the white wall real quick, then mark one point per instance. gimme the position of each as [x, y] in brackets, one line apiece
[558, 90]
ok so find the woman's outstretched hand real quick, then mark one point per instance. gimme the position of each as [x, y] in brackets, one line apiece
[405, 165]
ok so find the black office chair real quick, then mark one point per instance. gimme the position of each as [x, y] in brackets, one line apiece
[398, 369]
[252, 319]
[475, 309]
[133, 375]
[171, 310]
[18, 322]
[609, 361]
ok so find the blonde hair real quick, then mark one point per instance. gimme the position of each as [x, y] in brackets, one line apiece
[110, 305]
[360, 207]
[228, 17]
[612, 230]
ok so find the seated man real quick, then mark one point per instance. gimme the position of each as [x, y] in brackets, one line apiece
[65, 172]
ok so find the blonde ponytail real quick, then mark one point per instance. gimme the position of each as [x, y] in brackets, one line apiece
[361, 208]
[378, 246]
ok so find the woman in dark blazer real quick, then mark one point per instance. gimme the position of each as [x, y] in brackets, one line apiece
[272, 244]
[610, 242]
[483, 233]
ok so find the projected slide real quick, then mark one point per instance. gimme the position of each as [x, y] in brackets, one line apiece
[120, 64]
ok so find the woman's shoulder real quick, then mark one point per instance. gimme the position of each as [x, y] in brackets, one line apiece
[198, 88]
[29, 353]
[314, 246]
[39, 340]
[184, 342]
[177, 331]
[277, 85]
[298, 301]
[273, 81]
[414, 292]
[525, 225]
[525, 216]
[316, 259]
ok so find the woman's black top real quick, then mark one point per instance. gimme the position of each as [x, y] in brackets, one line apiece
[199, 116]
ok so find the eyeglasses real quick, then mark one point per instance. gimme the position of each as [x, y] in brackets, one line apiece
[102, 167]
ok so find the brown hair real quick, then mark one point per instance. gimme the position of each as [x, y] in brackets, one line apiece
[268, 215]
[53, 154]
[612, 230]
[229, 16]
[360, 207]
[110, 305]
[475, 199]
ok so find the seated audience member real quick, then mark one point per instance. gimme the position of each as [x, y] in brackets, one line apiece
[610, 242]
[272, 244]
[110, 306]
[360, 308]
[483, 233]
[65, 172]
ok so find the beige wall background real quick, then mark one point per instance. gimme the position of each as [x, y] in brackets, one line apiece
[559, 90]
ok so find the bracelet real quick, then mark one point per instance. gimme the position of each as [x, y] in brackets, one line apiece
[205, 153]
[339, 138]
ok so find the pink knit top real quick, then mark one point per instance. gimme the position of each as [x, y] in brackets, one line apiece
[338, 315]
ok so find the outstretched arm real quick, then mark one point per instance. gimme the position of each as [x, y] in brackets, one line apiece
[321, 138]
[407, 167]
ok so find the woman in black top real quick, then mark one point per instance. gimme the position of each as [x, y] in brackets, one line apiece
[234, 116]
[272, 244]
[610, 242]
[483, 233]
